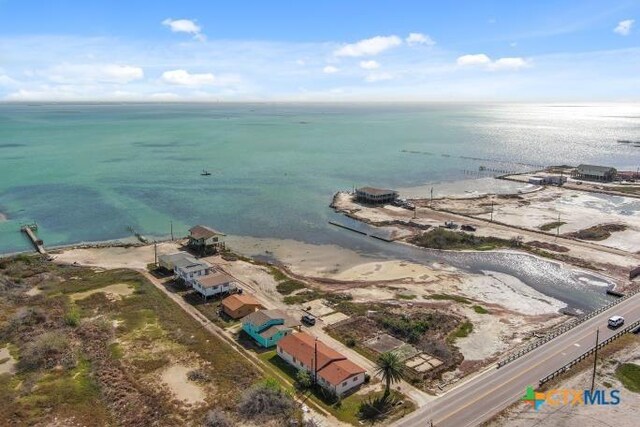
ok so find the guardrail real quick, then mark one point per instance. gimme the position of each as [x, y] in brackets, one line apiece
[562, 329]
[588, 353]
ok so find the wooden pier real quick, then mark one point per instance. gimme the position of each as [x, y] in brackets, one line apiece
[29, 230]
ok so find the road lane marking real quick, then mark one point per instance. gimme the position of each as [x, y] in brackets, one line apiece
[628, 307]
[520, 374]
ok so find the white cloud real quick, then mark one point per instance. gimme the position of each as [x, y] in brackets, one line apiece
[624, 27]
[185, 78]
[6, 80]
[483, 61]
[509, 64]
[185, 26]
[330, 69]
[301, 62]
[473, 60]
[369, 65]
[419, 38]
[94, 73]
[378, 77]
[369, 47]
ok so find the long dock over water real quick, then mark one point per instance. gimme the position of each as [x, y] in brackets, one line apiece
[29, 230]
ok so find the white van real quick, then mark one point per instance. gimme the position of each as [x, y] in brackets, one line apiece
[616, 321]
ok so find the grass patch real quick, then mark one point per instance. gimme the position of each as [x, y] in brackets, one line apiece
[462, 331]
[441, 238]
[302, 297]
[480, 309]
[629, 376]
[551, 225]
[278, 275]
[288, 286]
[405, 296]
[151, 324]
[444, 297]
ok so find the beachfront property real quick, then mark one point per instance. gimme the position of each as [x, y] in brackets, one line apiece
[168, 261]
[375, 196]
[594, 173]
[215, 283]
[238, 306]
[267, 327]
[205, 240]
[548, 180]
[189, 268]
[331, 369]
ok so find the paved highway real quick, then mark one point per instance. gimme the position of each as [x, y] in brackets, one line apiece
[478, 399]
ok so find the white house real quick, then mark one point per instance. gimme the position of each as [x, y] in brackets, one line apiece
[168, 261]
[190, 268]
[331, 369]
[215, 283]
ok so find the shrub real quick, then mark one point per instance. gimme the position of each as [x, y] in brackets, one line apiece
[303, 379]
[288, 286]
[45, 351]
[72, 317]
[216, 418]
[367, 378]
[264, 401]
[480, 310]
[376, 409]
[198, 375]
[350, 342]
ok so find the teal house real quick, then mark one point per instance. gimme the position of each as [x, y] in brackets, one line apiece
[267, 327]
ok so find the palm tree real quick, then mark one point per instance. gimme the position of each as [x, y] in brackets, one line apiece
[390, 368]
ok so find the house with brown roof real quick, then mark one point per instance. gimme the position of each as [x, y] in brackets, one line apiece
[205, 240]
[239, 305]
[267, 327]
[215, 283]
[331, 369]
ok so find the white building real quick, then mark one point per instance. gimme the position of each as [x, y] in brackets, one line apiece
[331, 369]
[215, 283]
[190, 268]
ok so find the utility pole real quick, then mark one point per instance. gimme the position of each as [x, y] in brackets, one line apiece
[155, 253]
[315, 361]
[431, 196]
[171, 230]
[558, 229]
[595, 361]
[491, 211]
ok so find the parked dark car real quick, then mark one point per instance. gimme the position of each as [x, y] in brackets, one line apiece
[467, 227]
[308, 319]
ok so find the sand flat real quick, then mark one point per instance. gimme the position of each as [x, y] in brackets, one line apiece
[116, 291]
[176, 379]
[8, 366]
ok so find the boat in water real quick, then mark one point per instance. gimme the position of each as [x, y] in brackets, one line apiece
[205, 172]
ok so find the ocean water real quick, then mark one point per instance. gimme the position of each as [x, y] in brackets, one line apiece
[87, 172]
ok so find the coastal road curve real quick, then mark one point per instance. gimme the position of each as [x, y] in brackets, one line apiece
[483, 396]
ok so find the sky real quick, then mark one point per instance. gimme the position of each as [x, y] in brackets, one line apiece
[115, 50]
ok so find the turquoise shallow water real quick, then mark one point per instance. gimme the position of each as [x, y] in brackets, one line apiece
[86, 172]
